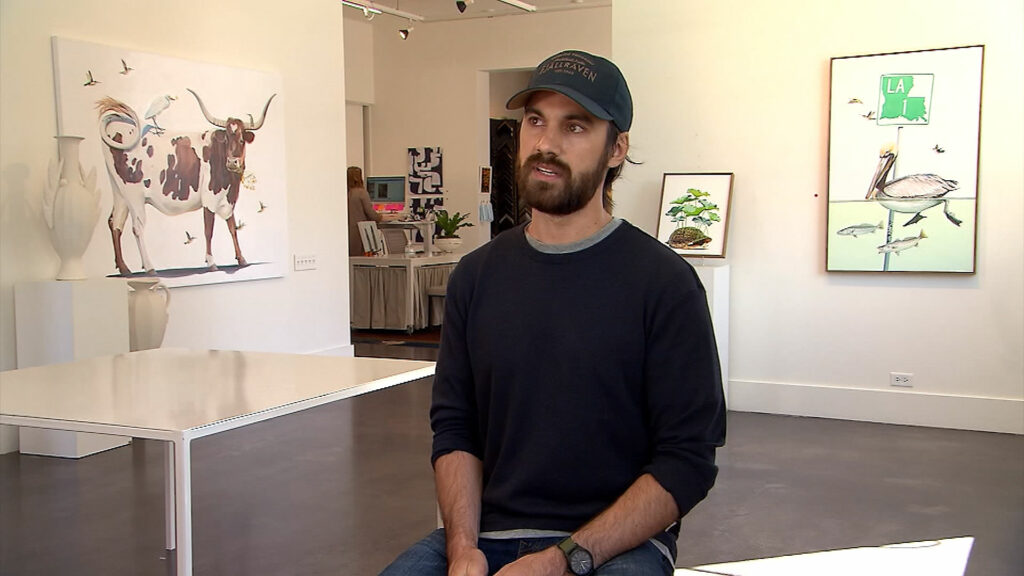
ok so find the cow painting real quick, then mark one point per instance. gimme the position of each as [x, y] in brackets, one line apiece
[174, 173]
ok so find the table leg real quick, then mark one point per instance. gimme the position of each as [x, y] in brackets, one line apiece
[183, 504]
[169, 494]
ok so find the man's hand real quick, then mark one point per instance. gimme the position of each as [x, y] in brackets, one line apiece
[548, 562]
[471, 562]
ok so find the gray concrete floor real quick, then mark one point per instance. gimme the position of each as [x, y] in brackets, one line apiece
[342, 489]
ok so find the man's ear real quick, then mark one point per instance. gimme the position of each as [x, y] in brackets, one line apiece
[619, 150]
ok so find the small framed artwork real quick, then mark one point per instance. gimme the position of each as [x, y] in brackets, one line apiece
[694, 216]
[903, 161]
[485, 179]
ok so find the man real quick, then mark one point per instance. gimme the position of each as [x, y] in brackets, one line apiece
[577, 400]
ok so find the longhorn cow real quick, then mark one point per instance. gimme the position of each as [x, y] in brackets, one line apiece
[174, 173]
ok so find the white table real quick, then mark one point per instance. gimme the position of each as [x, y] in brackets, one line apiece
[180, 395]
[409, 288]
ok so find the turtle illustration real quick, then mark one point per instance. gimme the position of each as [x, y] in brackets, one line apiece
[688, 237]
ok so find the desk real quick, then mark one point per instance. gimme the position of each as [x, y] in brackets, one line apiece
[179, 395]
[390, 292]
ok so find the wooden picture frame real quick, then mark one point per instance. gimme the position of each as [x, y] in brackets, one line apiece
[694, 213]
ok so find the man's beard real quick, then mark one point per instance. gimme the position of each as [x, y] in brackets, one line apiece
[559, 198]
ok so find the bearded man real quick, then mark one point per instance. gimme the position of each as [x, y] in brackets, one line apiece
[577, 400]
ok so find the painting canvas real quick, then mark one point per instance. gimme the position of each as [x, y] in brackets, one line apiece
[426, 169]
[903, 161]
[485, 179]
[162, 161]
[694, 213]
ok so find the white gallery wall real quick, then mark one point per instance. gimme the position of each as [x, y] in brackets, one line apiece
[742, 86]
[302, 41]
[433, 88]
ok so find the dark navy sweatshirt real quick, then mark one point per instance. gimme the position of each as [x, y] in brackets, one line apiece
[571, 375]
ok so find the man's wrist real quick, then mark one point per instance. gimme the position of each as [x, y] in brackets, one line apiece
[559, 564]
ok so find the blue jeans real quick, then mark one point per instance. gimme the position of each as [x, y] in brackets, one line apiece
[427, 557]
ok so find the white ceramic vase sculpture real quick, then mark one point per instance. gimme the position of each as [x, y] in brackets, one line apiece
[147, 313]
[71, 206]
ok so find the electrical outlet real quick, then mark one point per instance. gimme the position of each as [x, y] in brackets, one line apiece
[901, 379]
[305, 262]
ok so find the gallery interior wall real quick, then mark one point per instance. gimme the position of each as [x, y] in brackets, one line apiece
[302, 41]
[738, 86]
[433, 88]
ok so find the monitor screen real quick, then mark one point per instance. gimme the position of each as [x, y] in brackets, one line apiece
[386, 189]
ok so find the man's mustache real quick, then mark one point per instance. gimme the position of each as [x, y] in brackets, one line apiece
[546, 158]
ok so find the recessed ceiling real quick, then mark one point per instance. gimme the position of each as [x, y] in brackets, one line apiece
[440, 10]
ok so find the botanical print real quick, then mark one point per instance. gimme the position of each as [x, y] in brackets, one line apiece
[903, 160]
[694, 213]
[191, 163]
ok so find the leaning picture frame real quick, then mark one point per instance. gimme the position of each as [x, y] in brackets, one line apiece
[694, 213]
[903, 161]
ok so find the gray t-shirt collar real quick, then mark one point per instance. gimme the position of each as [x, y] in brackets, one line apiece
[577, 246]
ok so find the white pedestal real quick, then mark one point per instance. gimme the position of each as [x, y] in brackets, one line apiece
[59, 322]
[716, 284]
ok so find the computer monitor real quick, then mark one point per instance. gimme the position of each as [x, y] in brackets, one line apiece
[387, 193]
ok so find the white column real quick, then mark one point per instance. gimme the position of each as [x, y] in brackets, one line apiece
[62, 321]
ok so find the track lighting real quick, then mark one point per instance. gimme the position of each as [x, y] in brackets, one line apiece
[371, 9]
[404, 32]
[520, 5]
[460, 5]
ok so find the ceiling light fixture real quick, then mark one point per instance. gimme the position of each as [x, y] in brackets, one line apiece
[404, 32]
[461, 5]
[367, 11]
[520, 5]
[377, 9]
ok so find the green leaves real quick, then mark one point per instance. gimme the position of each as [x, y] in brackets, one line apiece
[694, 205]
[447, 226]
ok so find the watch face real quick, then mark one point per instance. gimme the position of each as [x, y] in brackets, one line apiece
[580, 562]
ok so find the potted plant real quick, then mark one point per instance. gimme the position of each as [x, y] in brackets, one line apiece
[694, 214]
[447, 229]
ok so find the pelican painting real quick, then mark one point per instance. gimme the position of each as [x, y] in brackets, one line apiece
[909, 194]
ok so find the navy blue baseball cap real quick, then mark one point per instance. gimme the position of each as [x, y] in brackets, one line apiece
[591, 81]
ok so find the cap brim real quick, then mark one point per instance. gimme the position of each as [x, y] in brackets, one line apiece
[520, 98]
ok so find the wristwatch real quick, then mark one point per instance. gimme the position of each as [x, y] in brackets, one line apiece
[581, 563]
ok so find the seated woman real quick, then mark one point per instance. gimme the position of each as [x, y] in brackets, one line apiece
[360, 209]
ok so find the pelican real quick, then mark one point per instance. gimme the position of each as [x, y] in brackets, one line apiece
[910, 194]
[156, 107]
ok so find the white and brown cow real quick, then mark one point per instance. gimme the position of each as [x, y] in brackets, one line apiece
[174, 173]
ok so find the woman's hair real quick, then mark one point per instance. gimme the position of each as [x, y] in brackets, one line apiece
[355, 177]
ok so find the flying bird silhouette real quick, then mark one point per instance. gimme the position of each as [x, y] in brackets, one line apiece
[92, 81]
[125, 69]
[188, 237]
[261, 208]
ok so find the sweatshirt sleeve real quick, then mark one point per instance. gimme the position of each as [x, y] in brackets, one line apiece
[453, 410]
[684, 392]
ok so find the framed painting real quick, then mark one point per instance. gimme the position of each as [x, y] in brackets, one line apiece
[694, 214]
[208, 207]
[485, 179]
[903, 161]
[426, 171]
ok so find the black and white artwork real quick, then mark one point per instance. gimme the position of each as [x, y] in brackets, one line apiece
[425, 171]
